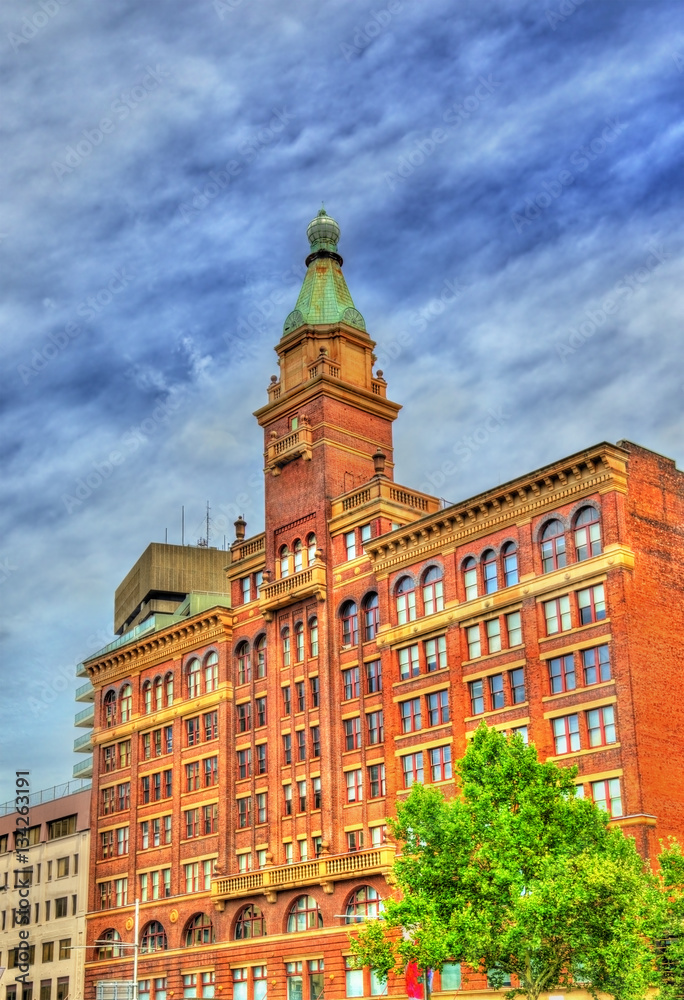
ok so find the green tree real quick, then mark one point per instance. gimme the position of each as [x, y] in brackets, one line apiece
[517, 876]
[669, 927]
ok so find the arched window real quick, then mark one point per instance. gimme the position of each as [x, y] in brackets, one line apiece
[260, 656]
[158, 693]
[284, 561]
[193, 675]
[433, 591]
[199, 930]
[553, 546]
[350, 623]
[250, 923]
[304, 915]
[489, 573]
[313, 636]
[168, 687]
[299, 642]
[371, 617]
[285, 637]
[311, 548]
[587, 534]
[298, 556]
[147, 697]
[109, 705]
[108, 947]
[509, 555]
[470, 578]
[244, 669]
[364, 904]
[406, 600]
[211, 671]
[126, 702]
[153, 938]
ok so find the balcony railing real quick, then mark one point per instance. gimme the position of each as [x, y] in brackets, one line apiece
[85, 692]
[84, 768]
[296, 444]
[323, 871]
[83, 744]
[309, 582]
[86, 717]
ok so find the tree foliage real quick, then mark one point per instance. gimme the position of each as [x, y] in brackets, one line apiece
[517, 876]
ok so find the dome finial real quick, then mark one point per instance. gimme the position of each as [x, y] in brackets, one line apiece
[323, 232]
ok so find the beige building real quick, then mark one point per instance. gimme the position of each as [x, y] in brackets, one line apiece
[56, 871]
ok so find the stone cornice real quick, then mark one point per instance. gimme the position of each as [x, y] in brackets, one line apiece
[599, 469]
[334, 388]
[166, 644]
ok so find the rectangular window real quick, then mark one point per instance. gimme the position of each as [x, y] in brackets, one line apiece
[412, 768]
[520, 731]
[607, 796]
[411, 718]
[354, 841]
[376, 781]
[514, 628]
[61, 906]
[409, 663]
[192, 823]
[350, 544]
[566, 734]
[244, 812]
[440, 763]
[591, 604]
[317, 793]
[516, 679]
[350, 683]
[192, 776]
[45, 989]
[245, 862]
[601, 726]
[314, 689]
[378, 835]
[262, 807]
[315, 741]
[61, 827]
[496, 691]
[596, 665]
[157, 786]
[352, 733]
[240, 983]
[48, 951]
[435, 654]
[474, 643]
[493, 629]
[287, 794]
[261, 759]
[192, 731]
[287, 748]
[121, 892]
[301, 794]
[562, 674]
[557, 615]
[244, 760]
[210, 725]
[477, 702]
[353, 980]
[450, 974]
[260, 705]
[192, 877]
[437, 707]
[300, 692]
[210, 818]
[124, 753]
[376, 733]
[107, 844]
[366, 533]
[210, 771]
[121, 841]
[244, 717]
[301, 744]
[287, 700]
[374, 677]
[354, 785]
[246, 588]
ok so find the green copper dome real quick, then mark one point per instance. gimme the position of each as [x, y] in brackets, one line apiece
[324, 297]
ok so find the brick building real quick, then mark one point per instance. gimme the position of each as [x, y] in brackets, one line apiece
[254, 727]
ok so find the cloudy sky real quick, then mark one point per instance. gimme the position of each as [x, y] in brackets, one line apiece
[507, 178]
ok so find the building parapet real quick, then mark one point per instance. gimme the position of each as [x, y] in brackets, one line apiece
[48, 795]
[296, 444]
[309, 582]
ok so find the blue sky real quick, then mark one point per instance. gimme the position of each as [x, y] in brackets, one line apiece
[507, 178]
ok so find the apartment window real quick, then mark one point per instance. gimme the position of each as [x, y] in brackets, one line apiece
[354, 785]
[192, 877]
[317, 844]
[553, 546]
[493, 630]
[477, 702]
[352, 733]
[412, 768]
[244, 670]
[261, 857]
[192, 778]
[300, 691]
[287, 699]
[210, 672]
[405, 595]
[287, 797]
[48, 951]
[244, 760]
[371, 617]
[153, 938]
[470, 578]
[591, 604]
[260, 654]
[411, 718]
[246, 588]
[59, 828]
[121, 842]
[109, 758]
[376, 781]
[596, 664]
[287, 748]
[311, 549]
[557, 615]
[373, 676]
[193, 677]
[496, 691]
[437, 704]
[289, 852]
[210, 725]
[262, 807]
[350, 682]
[314, 692]
[409, 663]
[435, 654]
[474, 643]
[301, 744]
[378, 835]
[489, 572]
[45, 989]
[510, 564]
[514, 628]
[298, 556]
[366, 533]
[285, 638]
[261, 759]
[566, 734]
[210, 818]
[350, 623]
[301, 795]
[244, 717]
[299, 642]
[317, 792]
[245, 862]
[313, 637]
[601, 726]
[350, 545]
[353, 977]
[374, 721]
[192, 823]
[440, 763]
[516, 679]
[107, 844]
[433, 591]
[192, 730]
[315, 741]
[62, 867]
[244, 812]
[210, 771]
[284, 556]
[168, 688]
[607, 796]
[521, 731]
[562, 674]
[587, 534]
[354, 841]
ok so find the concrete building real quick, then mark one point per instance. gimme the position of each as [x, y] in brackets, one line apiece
[251, 742]
[56, 870]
